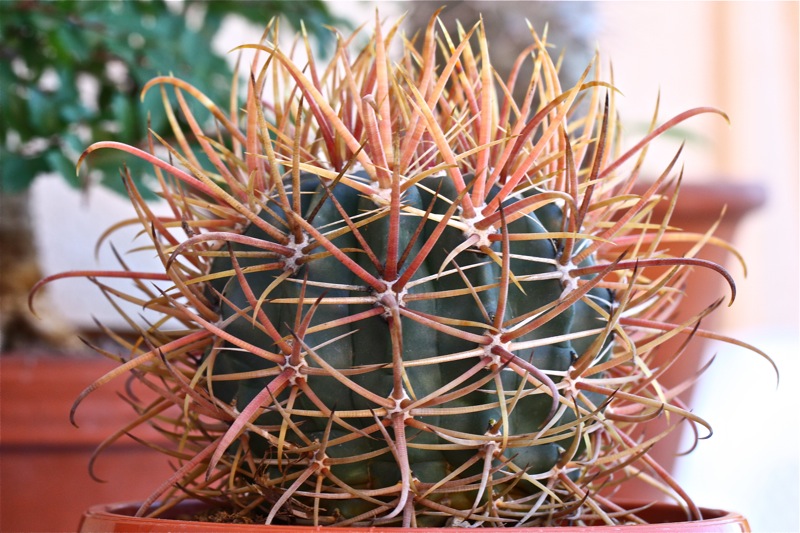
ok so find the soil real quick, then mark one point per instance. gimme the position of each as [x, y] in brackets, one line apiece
[222, 516]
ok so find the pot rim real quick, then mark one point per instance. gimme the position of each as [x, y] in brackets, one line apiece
[663, 514]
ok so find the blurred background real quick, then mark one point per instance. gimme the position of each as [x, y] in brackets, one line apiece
[741, 57]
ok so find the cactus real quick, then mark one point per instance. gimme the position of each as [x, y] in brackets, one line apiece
[402, 298]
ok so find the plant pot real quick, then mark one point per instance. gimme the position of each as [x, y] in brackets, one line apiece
[44, 459]
[699, 206]
[118, 518]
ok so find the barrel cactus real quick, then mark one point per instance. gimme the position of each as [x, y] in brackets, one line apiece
[392, 295]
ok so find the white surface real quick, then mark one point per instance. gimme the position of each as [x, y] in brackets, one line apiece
[750, 464]
[68, 225]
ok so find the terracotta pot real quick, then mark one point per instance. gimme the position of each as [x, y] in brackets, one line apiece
[43, 458]
[699, 207]
[118, 518]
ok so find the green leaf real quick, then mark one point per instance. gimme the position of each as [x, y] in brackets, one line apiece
[73, 142]
[18, 172]
[60, 163]
[68, 86]
[69, 46]
[125, 117]
[41, 112]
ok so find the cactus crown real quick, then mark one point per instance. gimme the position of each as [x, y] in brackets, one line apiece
[402, 297]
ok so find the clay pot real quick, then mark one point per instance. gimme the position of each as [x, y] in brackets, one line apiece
[44, 459]
[118, 518]
[699, 207]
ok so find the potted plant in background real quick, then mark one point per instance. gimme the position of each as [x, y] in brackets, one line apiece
[391, 295]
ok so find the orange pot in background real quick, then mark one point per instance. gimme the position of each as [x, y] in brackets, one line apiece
[698, 208]
[44, 479]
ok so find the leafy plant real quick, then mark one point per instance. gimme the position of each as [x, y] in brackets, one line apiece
[72, 73]
[393, 295]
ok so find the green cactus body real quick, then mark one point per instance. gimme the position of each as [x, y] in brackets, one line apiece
[366, 344]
